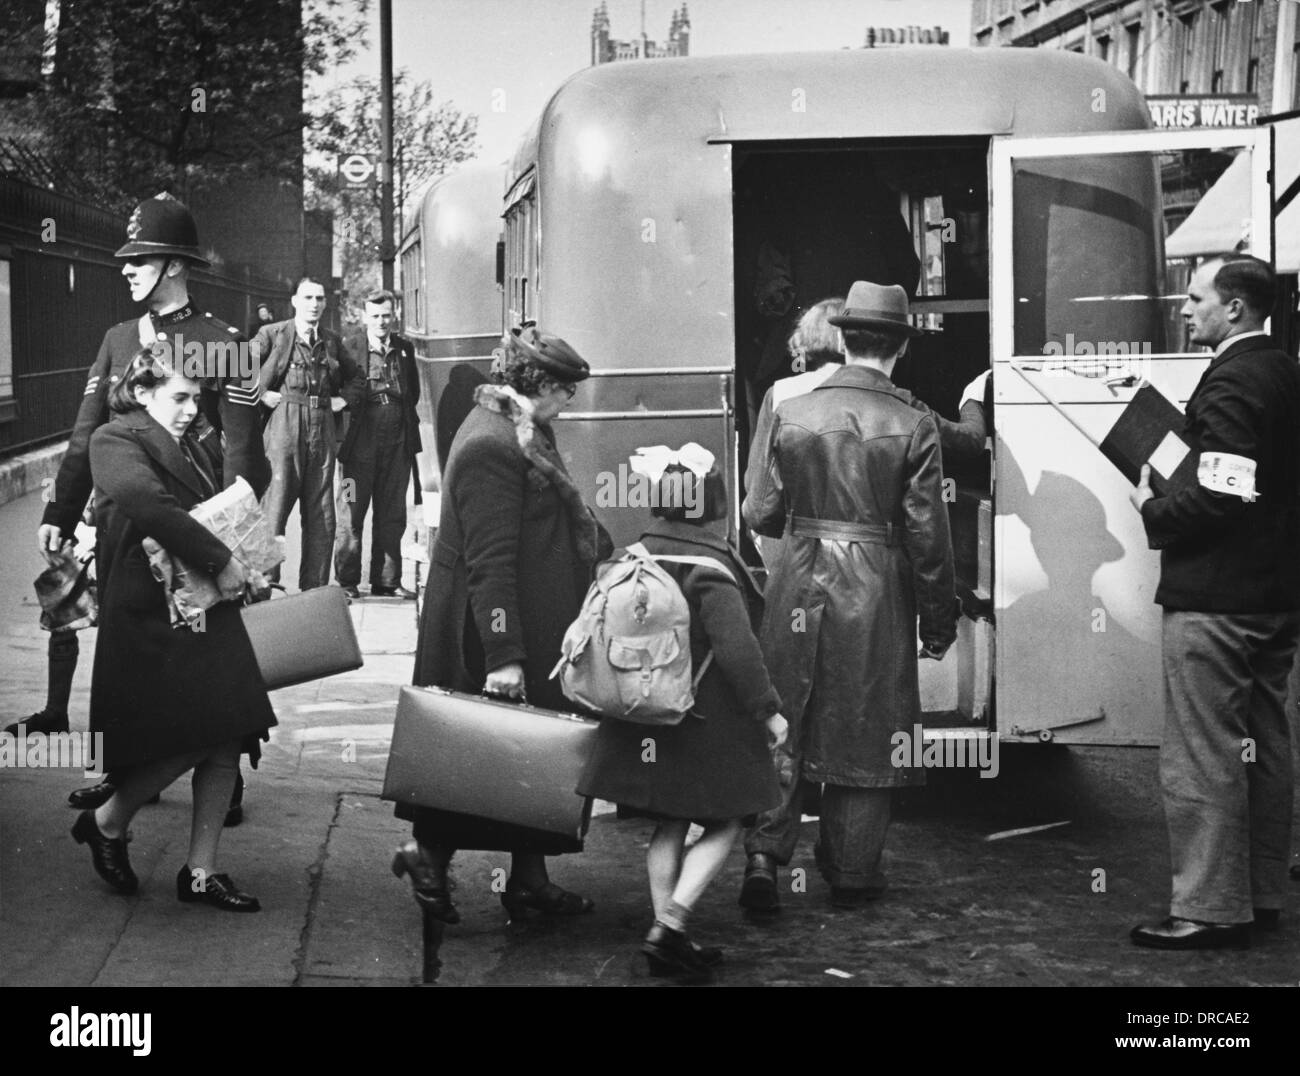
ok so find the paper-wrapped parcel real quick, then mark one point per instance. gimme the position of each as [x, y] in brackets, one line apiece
[235, 517]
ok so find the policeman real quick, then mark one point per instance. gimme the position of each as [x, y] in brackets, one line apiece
[1230, 588]
[161, 249]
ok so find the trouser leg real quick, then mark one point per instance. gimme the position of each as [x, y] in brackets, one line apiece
[776, 833]
[353, 503]
[281, 442]
[64, 650]
[392, 475]
[1203, 775]
[854, 824]
[1271, 778]
[317, 501]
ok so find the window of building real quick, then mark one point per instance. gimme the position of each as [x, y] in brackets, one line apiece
[1222, 21]
[1133, 51]
[6, 333]
[1103, 49]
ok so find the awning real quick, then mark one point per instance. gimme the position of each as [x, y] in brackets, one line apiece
[1215, 224]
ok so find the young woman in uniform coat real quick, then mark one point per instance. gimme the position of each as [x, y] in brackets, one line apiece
[167, 700]
[514, 557]
[714, 767]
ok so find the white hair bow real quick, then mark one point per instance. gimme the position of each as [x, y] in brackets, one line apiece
[653, 461]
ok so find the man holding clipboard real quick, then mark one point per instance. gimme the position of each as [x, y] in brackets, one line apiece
[1230, 589]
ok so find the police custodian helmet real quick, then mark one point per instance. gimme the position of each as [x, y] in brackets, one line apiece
[161, 227]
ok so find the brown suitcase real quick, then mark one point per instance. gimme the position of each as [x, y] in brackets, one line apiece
[489, 758]
[303, 637]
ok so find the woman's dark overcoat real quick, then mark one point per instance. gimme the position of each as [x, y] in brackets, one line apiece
[715, 766]
[511, 565]
[159, 691]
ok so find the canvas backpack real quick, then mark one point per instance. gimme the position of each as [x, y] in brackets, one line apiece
[628, 654]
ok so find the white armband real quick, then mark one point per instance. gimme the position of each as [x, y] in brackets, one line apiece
[1223, 472]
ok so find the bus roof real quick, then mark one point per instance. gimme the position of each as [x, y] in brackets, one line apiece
[853, 93]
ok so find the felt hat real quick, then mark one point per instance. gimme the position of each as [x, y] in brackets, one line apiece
[875, 306]
[552, 354]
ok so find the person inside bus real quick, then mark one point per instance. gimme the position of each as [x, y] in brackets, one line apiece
[514, 556]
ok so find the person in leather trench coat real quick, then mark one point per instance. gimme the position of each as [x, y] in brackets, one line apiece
[851, 476]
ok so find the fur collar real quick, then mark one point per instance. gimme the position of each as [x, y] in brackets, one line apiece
[547, 467]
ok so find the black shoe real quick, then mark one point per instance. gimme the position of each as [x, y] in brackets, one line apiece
[669, 954]
[87, 799]
[235, 812]
[1268, 918]
[1173, 933]
[549, 899]
[844, 897]
[430, 895]
[758, 894]
[108, 854]
[42, 723]
[1295, 872]
[393, 592]
[352, 593]
[215, 889]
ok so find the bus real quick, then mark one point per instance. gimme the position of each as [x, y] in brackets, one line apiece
[659, 214]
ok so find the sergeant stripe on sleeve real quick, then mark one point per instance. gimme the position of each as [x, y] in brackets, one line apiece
[240, 395]
[91, 385]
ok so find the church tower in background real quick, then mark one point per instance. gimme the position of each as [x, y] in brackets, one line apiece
[605, 49]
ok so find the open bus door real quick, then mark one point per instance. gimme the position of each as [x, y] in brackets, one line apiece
[1089, 273]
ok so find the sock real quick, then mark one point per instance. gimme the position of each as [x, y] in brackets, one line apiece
[674, 917]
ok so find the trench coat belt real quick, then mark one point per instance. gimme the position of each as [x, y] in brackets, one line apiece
[840, 531]
[310, 401]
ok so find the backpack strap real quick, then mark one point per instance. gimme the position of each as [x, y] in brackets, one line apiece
[639, 550]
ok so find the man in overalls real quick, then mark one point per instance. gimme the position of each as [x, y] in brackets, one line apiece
[378, 454]
[307, 376]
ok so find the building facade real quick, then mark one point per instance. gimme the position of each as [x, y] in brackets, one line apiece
[604, 49]
[1185, 48]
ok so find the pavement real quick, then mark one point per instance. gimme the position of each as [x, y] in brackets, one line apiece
[1046, 908]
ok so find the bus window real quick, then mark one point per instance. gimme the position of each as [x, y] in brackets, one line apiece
[521, 253]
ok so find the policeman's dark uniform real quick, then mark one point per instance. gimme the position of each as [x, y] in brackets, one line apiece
[228, 405]
[161, 226]
[1230, 588]
[376, 457]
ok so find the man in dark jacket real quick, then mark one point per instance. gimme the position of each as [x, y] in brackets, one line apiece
[1230, 588]
[307, 378]
[378, 454]
[850, 475]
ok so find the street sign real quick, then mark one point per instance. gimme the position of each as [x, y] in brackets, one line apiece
[357, 169]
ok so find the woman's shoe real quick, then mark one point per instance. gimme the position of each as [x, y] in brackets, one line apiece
[669, 954]
[108, 854]
[216, 889]
[429, 894]
[548, 899]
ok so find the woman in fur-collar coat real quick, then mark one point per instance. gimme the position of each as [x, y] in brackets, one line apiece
[513, 559]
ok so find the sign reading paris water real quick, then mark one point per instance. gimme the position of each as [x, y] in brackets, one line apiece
[1180, 112]
[357, 169]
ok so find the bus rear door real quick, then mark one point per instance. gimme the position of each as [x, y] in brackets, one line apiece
[1093, 239]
